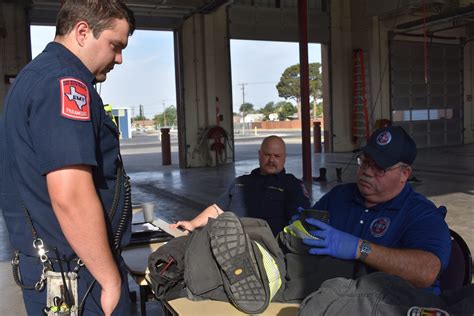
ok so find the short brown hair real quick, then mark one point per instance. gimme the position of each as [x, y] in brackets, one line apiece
[99, 14]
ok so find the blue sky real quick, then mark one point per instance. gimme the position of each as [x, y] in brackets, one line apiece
[147, 74]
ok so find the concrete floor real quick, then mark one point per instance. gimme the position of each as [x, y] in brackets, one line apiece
[446, 174]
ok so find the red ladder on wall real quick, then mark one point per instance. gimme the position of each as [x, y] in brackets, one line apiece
[360, 117]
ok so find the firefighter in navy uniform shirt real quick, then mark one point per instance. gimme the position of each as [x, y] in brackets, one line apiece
[268, 192]
[60, 159]
[381, 220]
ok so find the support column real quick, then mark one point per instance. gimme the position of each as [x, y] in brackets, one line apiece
[165, 147]
[205, 76]
[304, 84]
[317, 136]
[341, 70]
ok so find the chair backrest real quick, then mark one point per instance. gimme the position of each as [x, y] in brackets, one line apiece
[459, 270]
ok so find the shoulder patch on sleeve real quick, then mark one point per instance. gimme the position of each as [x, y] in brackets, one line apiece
[75, 103]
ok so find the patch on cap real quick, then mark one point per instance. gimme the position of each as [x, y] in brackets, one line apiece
[74, 99]
[379, 226]
[384, 138]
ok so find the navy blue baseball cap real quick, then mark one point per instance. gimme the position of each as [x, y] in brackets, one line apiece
[388, 146]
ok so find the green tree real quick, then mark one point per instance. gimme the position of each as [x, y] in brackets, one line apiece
[139, 118]
[289, 85]
[247, 108]
[285, 109]
[141, 114]
[268, 109]
[167, 118]
[316, 88]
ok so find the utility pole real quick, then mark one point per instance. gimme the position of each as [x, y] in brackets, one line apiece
[243, 91]
[243, 102]
[142, 115]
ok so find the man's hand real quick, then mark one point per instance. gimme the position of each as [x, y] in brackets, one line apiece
[110, 297]
[332, 242]
[186, 225]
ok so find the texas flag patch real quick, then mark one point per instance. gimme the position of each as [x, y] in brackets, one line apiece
[75, 103]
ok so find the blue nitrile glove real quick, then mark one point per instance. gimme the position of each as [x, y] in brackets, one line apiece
[297, 215]
[332, 242]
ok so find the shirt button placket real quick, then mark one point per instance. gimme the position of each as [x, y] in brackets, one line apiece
[364, 217]
[362, 220]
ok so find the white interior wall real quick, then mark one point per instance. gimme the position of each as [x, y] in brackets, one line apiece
[366, 36]
[341, 78]
[206, 66]
[352, 28]
[380, 62]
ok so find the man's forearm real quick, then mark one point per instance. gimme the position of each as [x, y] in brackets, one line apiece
[87, 236]
[82, 221]
[211, 211]
[418, 267]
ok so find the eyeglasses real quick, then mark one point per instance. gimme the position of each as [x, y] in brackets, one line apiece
[365, 163]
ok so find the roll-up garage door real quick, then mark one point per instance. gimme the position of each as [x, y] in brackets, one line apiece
[430, 111]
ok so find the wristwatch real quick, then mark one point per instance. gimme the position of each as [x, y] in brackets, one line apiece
[365, 249]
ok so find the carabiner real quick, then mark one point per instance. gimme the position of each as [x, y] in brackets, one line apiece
[38, 243]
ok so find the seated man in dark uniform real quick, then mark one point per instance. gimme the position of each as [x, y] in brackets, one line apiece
[267, 192]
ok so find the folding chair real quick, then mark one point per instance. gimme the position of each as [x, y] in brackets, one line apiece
[459, 270]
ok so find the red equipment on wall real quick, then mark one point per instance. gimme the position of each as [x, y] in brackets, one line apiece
[219, 135]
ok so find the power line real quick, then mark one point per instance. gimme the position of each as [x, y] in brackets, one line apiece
[254, 83]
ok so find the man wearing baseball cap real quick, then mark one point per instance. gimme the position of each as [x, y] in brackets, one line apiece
[380, 220]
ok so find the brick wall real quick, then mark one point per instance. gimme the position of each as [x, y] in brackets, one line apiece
[294, 124]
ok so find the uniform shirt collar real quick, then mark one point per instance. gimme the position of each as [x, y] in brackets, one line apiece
[72, 59]
[256, 171]
[394, 204]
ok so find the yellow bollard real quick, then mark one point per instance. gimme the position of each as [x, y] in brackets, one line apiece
[256, 134]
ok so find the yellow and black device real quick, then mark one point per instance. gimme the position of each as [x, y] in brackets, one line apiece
[108, 110]
[321, 215]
